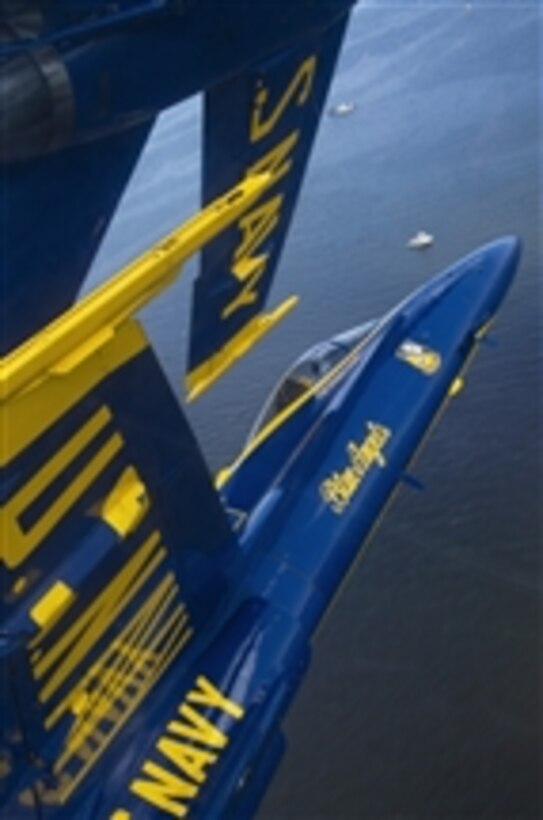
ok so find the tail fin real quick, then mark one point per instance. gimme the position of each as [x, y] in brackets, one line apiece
[261, 120]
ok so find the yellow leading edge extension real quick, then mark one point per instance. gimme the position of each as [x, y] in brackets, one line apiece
[80, 331]
[63, 361]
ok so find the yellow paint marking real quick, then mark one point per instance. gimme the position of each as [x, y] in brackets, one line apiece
[340, 487]
[116, 660]
[197, 727]
[126, 504]
[120, 297]
[248, 271]
[56, 396]
[191, 760]
[120, 814]
[209, 696]
[115, 683]
[457, 385]
[255, 228]
[163, 789]
[17, 545]
[74, 491]
[178, 637]
[175, 644]
[19, 585]
[297, 92]
[247, 265]
[52, 605]
[79, 639]
[79, 700]
[278, 161]
[86, 350]
[136, 652]
[141, 674]
[149, 660]
[438, 415]
[168, 791]
[102, 619]
[419, 356]
[202, 377]
[61, 459]
[257, 225]
[248, 294]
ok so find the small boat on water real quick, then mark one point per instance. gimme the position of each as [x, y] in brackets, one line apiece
[420, 240]
[342, 109]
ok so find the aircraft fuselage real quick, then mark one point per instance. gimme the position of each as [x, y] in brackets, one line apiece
[306, 492]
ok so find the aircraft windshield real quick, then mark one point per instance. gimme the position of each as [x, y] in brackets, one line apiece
[306, 371]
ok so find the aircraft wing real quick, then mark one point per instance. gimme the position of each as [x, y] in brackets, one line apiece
[264, 119]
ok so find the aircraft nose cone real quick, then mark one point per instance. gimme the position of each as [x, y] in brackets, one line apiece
[500, 261]
[506, 255]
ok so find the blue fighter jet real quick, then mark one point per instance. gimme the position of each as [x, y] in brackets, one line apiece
[156, 623]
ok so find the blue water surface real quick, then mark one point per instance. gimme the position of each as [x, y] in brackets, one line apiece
[424, 698]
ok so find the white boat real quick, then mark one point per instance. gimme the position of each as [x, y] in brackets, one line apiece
[342, 109]
[421, 240]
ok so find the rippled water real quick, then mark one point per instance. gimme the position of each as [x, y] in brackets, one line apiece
[424, 698]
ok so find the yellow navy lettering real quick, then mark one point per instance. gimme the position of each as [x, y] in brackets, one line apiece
[249, 262]
[277, 161]
[191, 746]
[297, 92]
[257, 226]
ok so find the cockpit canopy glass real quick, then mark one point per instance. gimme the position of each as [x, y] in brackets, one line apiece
[307, 371]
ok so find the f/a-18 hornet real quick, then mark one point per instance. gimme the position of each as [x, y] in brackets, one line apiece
[156, 623]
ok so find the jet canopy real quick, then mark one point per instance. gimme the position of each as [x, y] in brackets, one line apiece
[309, 369]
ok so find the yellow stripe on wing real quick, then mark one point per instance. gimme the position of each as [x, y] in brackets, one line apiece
[89, 627]
[88, 325]
[17, 545]
[203, 377]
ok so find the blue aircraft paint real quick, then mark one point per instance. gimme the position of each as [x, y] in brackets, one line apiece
[93, 86]
[201, 734]
[277, 136]
[296, 549]
[299, 549]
